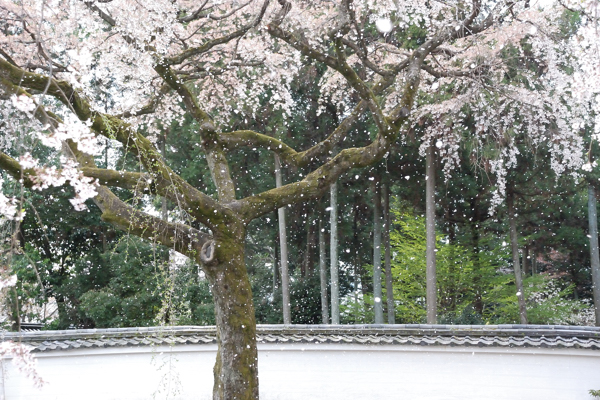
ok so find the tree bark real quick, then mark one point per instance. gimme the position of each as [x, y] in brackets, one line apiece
[15, 309]
[323, 274]
[594, 252]
[377, 289]
[526, 263]
[333, 249]
[357, 269]
[430, 234]
[475, 254]
[510, 203]
[236, 369]
[285, 278]
[391, 311]
[276, 275]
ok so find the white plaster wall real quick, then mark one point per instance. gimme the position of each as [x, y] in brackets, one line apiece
[317, 371]
[132, 373]
[415, 372]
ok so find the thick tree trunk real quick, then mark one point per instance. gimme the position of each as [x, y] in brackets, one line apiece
[377, 290]
[323, 274]
[594, 252]
[391, 311]
[333, 249]
[236, 369]
[510, 203]
[430, 234]
[285, 278]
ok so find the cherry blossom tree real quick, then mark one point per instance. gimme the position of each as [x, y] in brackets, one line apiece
[77, 74]
[586, 89]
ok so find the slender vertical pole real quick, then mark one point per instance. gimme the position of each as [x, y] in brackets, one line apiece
[510, 204]
[285, 279]
[333, 249]
[594, 252]
[377, 290]
[276, 266]
[323, 274]
[430, 228]
[388, 257]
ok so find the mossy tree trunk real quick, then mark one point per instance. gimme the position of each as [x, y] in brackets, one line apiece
[236, 368]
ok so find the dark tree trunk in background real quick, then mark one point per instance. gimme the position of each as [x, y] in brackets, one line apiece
[449, 302]
[514, 242]
[475, 245]
[594, 252]
[14, 309]
[360, 280]
[285, 278]
[387, 221]
[430, 234]
[526, 262]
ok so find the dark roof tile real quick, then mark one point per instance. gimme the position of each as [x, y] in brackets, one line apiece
[551, 336]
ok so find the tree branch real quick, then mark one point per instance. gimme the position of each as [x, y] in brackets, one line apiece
[300, 45]
[121, 179]
[193, 51]
[317, 182]
[150, 107]
[195, 202]
[14, 169]
[289, 155]
[180, 237]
